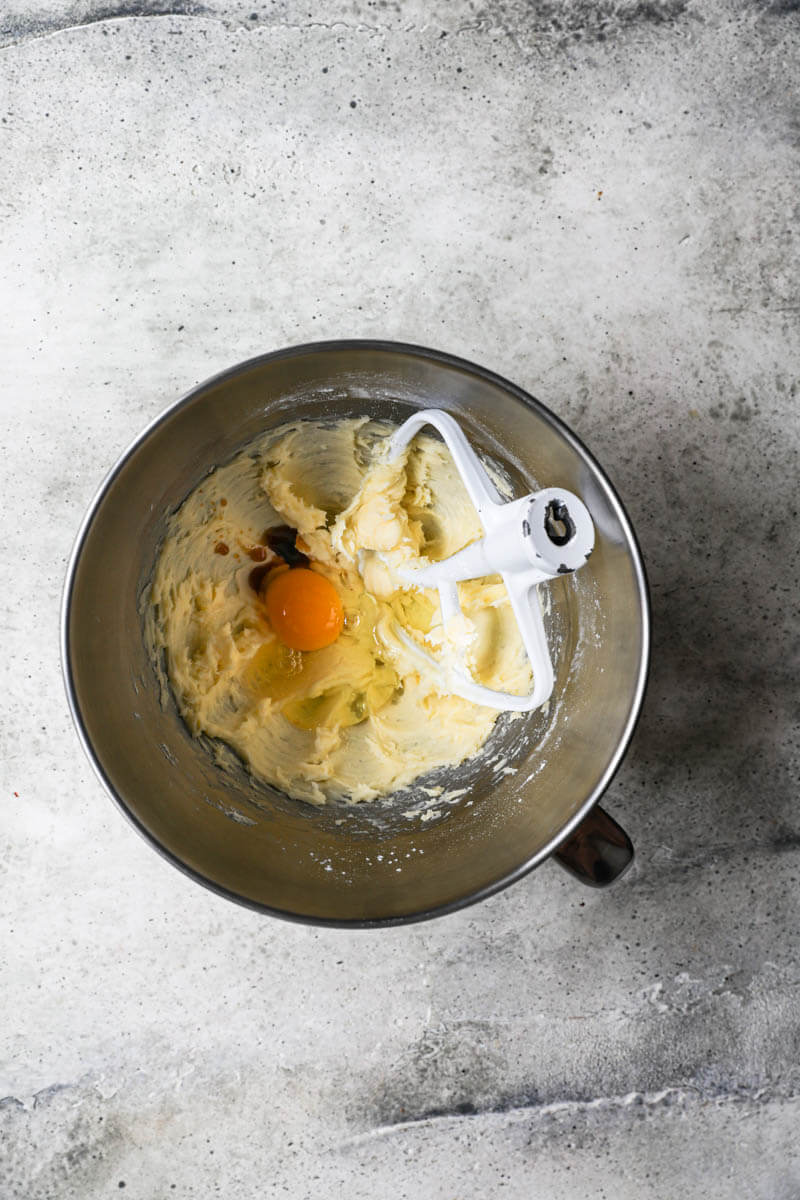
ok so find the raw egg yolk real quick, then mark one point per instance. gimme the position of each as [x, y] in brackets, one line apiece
[304, 609]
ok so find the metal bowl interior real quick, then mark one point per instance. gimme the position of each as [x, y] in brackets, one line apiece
[414, 854]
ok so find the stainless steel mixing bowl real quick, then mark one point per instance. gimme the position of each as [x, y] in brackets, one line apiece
[533, 795]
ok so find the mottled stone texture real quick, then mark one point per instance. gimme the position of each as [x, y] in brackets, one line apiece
[600, 201]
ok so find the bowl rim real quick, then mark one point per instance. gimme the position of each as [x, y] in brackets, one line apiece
[449, 360]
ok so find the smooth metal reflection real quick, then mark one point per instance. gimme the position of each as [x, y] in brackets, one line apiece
[361, 866]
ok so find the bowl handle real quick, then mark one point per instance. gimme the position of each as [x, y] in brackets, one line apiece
[598, 851]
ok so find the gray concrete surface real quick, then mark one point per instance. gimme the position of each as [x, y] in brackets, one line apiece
[599, 201]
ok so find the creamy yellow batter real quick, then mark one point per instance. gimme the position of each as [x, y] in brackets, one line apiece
[363, 716]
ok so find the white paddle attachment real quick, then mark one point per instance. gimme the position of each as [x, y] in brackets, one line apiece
[526, 542]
